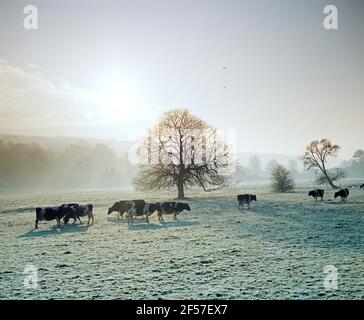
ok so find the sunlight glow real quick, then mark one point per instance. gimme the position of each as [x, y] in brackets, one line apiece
[118, 102]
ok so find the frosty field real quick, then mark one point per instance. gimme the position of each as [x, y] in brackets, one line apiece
[276, 250]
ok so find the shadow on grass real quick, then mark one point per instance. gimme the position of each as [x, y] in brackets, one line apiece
[54, 231]
[161, 225]
[116, 220]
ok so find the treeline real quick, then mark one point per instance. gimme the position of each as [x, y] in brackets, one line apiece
[28, 165]
[254, 170]
[355, 166]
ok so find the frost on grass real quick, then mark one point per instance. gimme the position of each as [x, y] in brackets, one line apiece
[278, 249]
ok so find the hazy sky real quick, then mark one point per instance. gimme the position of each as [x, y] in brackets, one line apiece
[108, 68]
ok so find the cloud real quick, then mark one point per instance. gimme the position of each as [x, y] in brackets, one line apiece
[32, 102]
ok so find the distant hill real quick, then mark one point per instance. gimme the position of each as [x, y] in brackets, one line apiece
[59, 143]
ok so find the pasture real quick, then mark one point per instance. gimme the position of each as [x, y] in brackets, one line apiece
[276, 250]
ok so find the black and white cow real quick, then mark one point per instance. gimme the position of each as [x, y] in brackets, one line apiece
[123, 206]
[77, 211]
[246, 198]
[362, 186]
[174, 208]
[51, 213]
[317, 193]
[140, 209]
[343, 194]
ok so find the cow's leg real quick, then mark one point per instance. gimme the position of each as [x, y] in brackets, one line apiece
[74, 219]
[160, 216]
[315, 199]
[58, 222]
[79, 219]
[248, 205]
[36, 223]
[322, 198]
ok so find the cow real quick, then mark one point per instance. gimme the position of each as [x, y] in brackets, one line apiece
[317, 193]
[140, 209]
[343, 193]
[172, 207]
[123, 206]
[362, 186]
[51, 213]
[246, 198]
[77, 211]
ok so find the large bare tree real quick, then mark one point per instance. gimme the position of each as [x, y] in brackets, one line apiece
[182, 151]
[316, 156]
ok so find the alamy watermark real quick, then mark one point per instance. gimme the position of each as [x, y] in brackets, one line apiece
[331, 21]
[331, 279]
[31, 17]
[30, 277]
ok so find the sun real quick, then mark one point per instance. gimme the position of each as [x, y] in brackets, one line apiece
[119, 101]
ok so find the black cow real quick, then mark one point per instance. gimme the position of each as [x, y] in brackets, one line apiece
[362, 186]
[140, 208]
[246, 198]
[317, 193]
[343, 193]
[51, 213]
[79, 210]
[123, 206]
[172, 207]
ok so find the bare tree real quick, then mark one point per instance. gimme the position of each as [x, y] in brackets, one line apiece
[316, 156]
[182, 151]
[255, 165]
[281, 179]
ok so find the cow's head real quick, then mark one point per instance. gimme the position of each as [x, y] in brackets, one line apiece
[311, 193]
[113, 208]
[254, 197]
[186, 206]
[337, 194]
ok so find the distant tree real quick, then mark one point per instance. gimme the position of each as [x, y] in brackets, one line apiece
[316, 156]
[334, 174]
[182, 151]
[358, 155]
[355, 166]
[271, 165]
[281, 179]
[292, 166]
[240, 172]
[255, 165]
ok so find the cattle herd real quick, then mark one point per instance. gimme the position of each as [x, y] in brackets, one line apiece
[131, 208]
[140, 208]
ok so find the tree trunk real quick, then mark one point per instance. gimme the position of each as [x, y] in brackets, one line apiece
[181, 191]
[332, 185]
[330, 182]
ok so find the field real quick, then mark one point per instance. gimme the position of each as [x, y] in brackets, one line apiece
[276, 250]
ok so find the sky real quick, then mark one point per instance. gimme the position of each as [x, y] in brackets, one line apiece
[268, 70]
